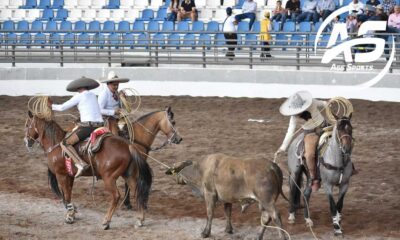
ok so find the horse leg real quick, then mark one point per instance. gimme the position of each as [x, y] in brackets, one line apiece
[111, 186]
[131, 183]
[294, 183]
[307, 195]
[228, 214]
[337, 216]
[127, 200]
[66, 182]
[210, 199]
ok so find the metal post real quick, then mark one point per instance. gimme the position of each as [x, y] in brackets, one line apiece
[298, 58]
[62, 55]
[251, 57]
[204, 56]
[109, 54]
[156, 57]
[13, 55]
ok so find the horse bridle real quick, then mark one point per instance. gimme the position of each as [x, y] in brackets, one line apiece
[50, 149]
[339, 138]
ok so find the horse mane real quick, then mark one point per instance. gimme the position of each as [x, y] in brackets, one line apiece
[53, 131]
[144, 117]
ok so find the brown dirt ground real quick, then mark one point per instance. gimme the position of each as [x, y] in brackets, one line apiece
[28, 210]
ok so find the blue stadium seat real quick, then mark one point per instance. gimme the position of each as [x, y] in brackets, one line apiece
[47, 15]
[11, 38]
[128, 40]
[40, 39]
[113, 40]
[310, 39]
[243, 26]
[43, 4]
[37, 26]
[161, 14]
[69, 40]
[94, 26]
[112, 4]
[166, 4]
[99, 39]
[8, 25]
[65, 26]
[296, 40]
[347, 2]
[167, 26]
[143, 41]
[182, 26]
[55, 38]
[305, 27]
[189, 40]
[109, 26]
[251, 39]
[29, 4]
[174, 40]
[23, 25]
[212, 26]
[51, 26]
[26, 39]
[198, 26]
[147, 15]
[153, 26]
[84, 40]
[80, 26]
[256, 27]
[276, 26]
[57, 4]
[239, 4]
[219, 39]
[62, 14]
[281, 40]
[159, 39]
[124, 26]
[289, 27]
[324, 40]
[204, 40]
[316, 26]
[138, 26]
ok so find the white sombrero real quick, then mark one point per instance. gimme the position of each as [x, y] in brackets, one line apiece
[82, 82]
[297, 103]
[112, 77]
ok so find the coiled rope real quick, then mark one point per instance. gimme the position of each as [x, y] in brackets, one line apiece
[39, 107]
[341, 106]
[130, 103]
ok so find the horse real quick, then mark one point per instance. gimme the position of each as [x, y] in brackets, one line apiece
[335, 168]
[116, 158]
[145, 130]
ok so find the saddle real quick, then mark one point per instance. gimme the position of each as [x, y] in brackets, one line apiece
[95, 141]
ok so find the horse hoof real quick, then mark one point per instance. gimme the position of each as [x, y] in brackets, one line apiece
[291, 218]
[69, 220]
[338, 233]
[205, 235]
[106, 226]
[309, 222]
[139, 223]
[229, 231]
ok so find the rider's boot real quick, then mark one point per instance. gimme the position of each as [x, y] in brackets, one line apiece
[355, 171]
[68, 147]
[310, 144]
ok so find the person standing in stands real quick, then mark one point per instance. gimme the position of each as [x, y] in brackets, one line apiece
[292, 10]
[249, 9]
[308, 11]
[229, 29]
[187, 10]
[172, 11]
[265, 36]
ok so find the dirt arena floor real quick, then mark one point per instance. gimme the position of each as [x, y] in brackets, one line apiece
[28, 209]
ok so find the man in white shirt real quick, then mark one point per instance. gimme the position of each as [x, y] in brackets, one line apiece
[229, 29]
[90, 117]
[301, 107]
[308, 12]
[109, 101]
[356, 7]
[249, 9]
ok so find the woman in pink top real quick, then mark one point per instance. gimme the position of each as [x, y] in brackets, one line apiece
[394, 19]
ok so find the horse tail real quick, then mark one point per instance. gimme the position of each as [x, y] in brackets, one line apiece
[54, 185]
[278, 172]
[144, 179]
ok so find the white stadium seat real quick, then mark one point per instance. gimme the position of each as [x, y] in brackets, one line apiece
[201, 3]
[5, 14]
[32, 14]
[131, 14]
[220, 15]
[88, 15]
[126, 4]
[84, 4]
[117, 15]
[205, 14]
[261, 3]
[99, 4]
[141, 3]
[4, 4]
[230, 3]
[103, 15]
[155, 4]
[15, 3]
[75, 15]
[213, 3]
[70, 4]
[19, 14]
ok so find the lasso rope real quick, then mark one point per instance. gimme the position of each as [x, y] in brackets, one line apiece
[344, 108]
[275, 227]
[38, 105]
[130, 103]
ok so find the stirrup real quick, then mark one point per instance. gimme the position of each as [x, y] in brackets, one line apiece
[81, 169]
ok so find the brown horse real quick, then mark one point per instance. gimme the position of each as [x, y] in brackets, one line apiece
[116, 158]
[146, 129]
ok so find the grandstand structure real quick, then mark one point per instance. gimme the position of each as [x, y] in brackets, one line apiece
[135, 32]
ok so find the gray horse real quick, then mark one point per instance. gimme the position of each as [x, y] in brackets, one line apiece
[335, 168]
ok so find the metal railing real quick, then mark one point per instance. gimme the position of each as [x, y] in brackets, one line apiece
[153, 49]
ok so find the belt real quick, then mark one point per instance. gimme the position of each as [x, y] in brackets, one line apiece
[91, 124]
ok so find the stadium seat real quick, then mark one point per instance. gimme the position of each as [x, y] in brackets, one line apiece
[251, 39]
[58, 4]
[29, 4]
[147, 15]
[276, 26]
[166, 3]
[159, 39]
[37, 26]
[143, 41]
[167, 26]
[112, 4]
[128, 40]
[131, 14]
[70, 4]
[43, 4]
[98, 4]
[124, 26]
[239, 4]
[103, 15]
[174, 40]
[10, 38]
[62, 14]
[189, 40]
[141, 4]
[51, 26]
[23, 25]
[126, 4]
[213, 4]
[99, 39]
[94, 26]
[8, 25]
[84, 40]
[204, 40]
[219, 39]
[324, 40]
[13, 4]
[281, 40]
[305, 27]
[198, 26]
[89, 15]
[117, 15]
[229, 3]
[212, 26]
[289, 27]
[5, 14]
[25, 39]
[220, 15]
[69, 40]
[200, 4]
[84, 4]
[153, 26]
[19, 14]
[261, 3]
[80, 26]
[109, 26]
[75, 15]
[205, 14]
[32, 14]
[296, 40]
[156, 4]
[47, 14]
[316, 26]
[4, 4]
[138, 26]
[55, 39]
[161, 14]
[243, 26]
[182, 26]
[65, 26]
[39, 39]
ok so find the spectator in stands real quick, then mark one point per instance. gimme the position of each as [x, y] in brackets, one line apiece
[369, 13]
[394, 20]
[388, 6]
[249, 9]
[373, 2]
[380, 15]
[279, 12]
[292, 10]
[187, 10]
[329, 28]
[308, 11]
[172, 11]
[351, 23]
[356, 7]
[265, 37]
[229, 29]
[324, 9]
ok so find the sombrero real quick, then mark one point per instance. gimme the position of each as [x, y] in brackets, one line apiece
[112, 77]
[82, 82]
[297, 103]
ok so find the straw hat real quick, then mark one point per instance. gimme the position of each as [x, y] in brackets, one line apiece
[379, 7]
[295, 104]
[82, 82]
[267, 14]
[112, 77]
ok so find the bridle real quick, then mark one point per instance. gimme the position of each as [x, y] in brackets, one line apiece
[340, 137]
[37, 140]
